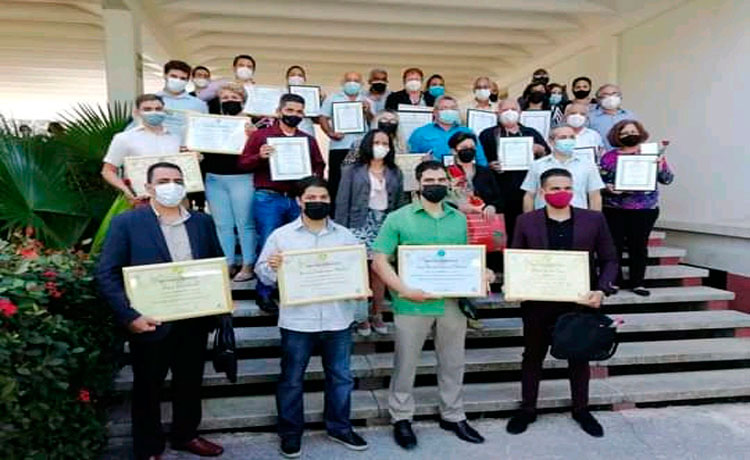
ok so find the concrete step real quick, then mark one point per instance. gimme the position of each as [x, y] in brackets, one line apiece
[483, 398]
[671, 272]
[251, 371]
[663, 252]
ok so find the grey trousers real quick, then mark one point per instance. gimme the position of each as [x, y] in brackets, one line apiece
[450, 335]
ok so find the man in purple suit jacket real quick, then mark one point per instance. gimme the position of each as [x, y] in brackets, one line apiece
[559, 226]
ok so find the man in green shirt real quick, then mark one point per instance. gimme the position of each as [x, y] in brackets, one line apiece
[428, 221]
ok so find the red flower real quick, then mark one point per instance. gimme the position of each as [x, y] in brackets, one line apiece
[28, 253]
[50, 274]
[7, 308]
[84, 395]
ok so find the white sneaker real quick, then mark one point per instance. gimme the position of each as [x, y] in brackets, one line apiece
[364, 329]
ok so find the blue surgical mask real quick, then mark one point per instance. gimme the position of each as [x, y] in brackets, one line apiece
[352, 87]
[153, 118]
[449, 116]
[437, 90]
[565, 146]
[555, 98]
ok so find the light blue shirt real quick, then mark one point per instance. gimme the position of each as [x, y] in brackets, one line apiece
[377, 105]
[175, 122]
[327, 111]
[432, 138]
[586, 178]
[602, 122]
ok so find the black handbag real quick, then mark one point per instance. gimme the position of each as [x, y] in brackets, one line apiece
[224, 352]
[580, 336]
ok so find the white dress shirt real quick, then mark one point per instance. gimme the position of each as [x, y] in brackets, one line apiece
[140, 141]
[586, 178]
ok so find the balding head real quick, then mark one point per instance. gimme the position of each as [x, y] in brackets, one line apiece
[577, 107]
[352, 76]
[508, 104]
[607, 90]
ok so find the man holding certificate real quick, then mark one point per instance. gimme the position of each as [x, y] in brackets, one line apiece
[163, 232]
[429, 221]
[559, 227]
[307, 325]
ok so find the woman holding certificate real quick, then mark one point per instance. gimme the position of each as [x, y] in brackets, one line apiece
[369, 190]
[631, 198]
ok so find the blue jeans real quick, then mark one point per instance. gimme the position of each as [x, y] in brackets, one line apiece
[271, 211]
[230, 198]
[296, 348]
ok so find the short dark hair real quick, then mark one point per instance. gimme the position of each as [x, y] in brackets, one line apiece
[200, 67]
[311, 181]
[289, 97]
[613, 136]
[412, 70]
[538, 71]
[432, 77]
[554, 172]
[459, 137]
[296, 67]
[429, 165]
[243, 56]
[365, 149]
[177, 65]
[161, 164]
[147, 97]
[577, 79]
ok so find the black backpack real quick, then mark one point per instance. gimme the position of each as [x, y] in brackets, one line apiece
[588, 336]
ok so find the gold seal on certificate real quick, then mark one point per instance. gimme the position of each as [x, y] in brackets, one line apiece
[263, 100]
[323, 275]
[479, 120]
[444, 271]
[216, 133]
[558, 276]
[290, 159]
[515, 153]
[179, 290]
[348, 117]
[136, 167]
[311, 95]
[407, 163]
[636, 173]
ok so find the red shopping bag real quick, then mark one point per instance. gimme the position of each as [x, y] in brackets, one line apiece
[489, 232]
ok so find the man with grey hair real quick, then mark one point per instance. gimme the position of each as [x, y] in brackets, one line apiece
[378, 92]
[608, 111]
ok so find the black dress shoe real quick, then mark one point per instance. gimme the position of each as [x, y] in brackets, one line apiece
[641, 291]
[404, 435]
[463, 430]
[291, 447]
[267, 305]
[588, 423]
[519, 422]
[351, 440]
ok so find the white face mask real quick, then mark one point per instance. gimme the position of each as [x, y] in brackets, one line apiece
[201, 82]
[296, 80]
[576, 120]
[379, 151]
[482, 94]
[176, 85]
[170, 194]
[413, 85]
[509, 117]
[611, 102]
[244, 73]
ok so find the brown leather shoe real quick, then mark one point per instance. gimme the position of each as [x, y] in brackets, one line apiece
[201, 447]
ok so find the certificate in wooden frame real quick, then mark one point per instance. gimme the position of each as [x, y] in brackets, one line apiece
[479, 117]
[166, 273]
[337, 107]
[574, 279]
[356, 288]
[477, 288]
[643, 161]
[136, 167]
[311, 95]
[190, 142]
[525, 142]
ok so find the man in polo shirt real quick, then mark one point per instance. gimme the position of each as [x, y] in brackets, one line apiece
[176, 77]
[587, 183]
[434, 137]
[149, 137]
[274, 203]
[608, 111]
[425, 222]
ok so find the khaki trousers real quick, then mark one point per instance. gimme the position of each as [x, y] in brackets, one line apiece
[450, 335]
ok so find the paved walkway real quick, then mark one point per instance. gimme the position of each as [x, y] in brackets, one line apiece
[719, 431]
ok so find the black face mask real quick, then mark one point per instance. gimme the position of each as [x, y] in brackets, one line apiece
[493, 97]
[389, 128]
[631, 140]
[378, 88]
[291, 120]
[317, 210]
[231, 107]
[434, 193]
[536, 97]
[466, 155]
[582, 93]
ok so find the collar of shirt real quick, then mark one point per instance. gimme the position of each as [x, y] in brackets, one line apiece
[553, 160]
[418, 207]
[299, 225]
[184, 216]
[182, 95]
[599, 110]
[163, 131]
[275, 131]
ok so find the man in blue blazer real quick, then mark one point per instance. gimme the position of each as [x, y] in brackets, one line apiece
[161, 232]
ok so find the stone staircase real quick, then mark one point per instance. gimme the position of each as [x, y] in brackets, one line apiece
[680, 344]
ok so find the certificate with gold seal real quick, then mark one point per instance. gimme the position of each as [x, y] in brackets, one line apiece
[179, 290]
[444, 271]
[136, 168]
[323, 275]
[558, 276]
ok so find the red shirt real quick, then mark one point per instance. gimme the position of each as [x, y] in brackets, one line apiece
[250, 159]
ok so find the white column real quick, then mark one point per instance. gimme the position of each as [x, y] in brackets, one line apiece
[123, 61]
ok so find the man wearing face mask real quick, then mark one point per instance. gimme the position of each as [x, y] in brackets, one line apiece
[201, 81]
[176, 76]
[587, 183]
[581, 88]
[576, 116]
[412, 93]
[304, 327]
[162, 232]
[429, 221]
[243, 66]
[608, 111]
[561, 227]
[148, 137]
[482, 96]
[433, 138]
[378, 92]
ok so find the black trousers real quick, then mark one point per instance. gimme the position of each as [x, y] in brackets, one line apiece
[631, 228]
[539, 320]
[183, 350]
[335, 158]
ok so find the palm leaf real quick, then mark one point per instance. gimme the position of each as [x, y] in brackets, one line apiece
[88, 129]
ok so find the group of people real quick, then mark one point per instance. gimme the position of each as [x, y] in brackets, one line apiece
[564, 201]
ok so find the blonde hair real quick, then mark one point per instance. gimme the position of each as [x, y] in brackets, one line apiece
[233, 87]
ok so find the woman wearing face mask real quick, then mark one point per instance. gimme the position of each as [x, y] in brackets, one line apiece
[369, 190]
[581, 88]
[385, 120]
[412, 93]
[474, 190]
[435, 86]
[229, 192]
[482, 96]
[535, 97]
[558, 100]
[631, 215]
[295, 75]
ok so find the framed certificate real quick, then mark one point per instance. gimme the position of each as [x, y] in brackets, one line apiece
[348, 117]
[179, 290]
[291, 159]
[515, 153]
[586, 153]
[410, 120]
[445, 271]
[311, 95]
[323, 275]
[636, 173]
[136, 168]
[559, 276]
[479, 120]
[216, 134]
[176, 121]
[537, 119]
[407, 163]
[263, 100]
